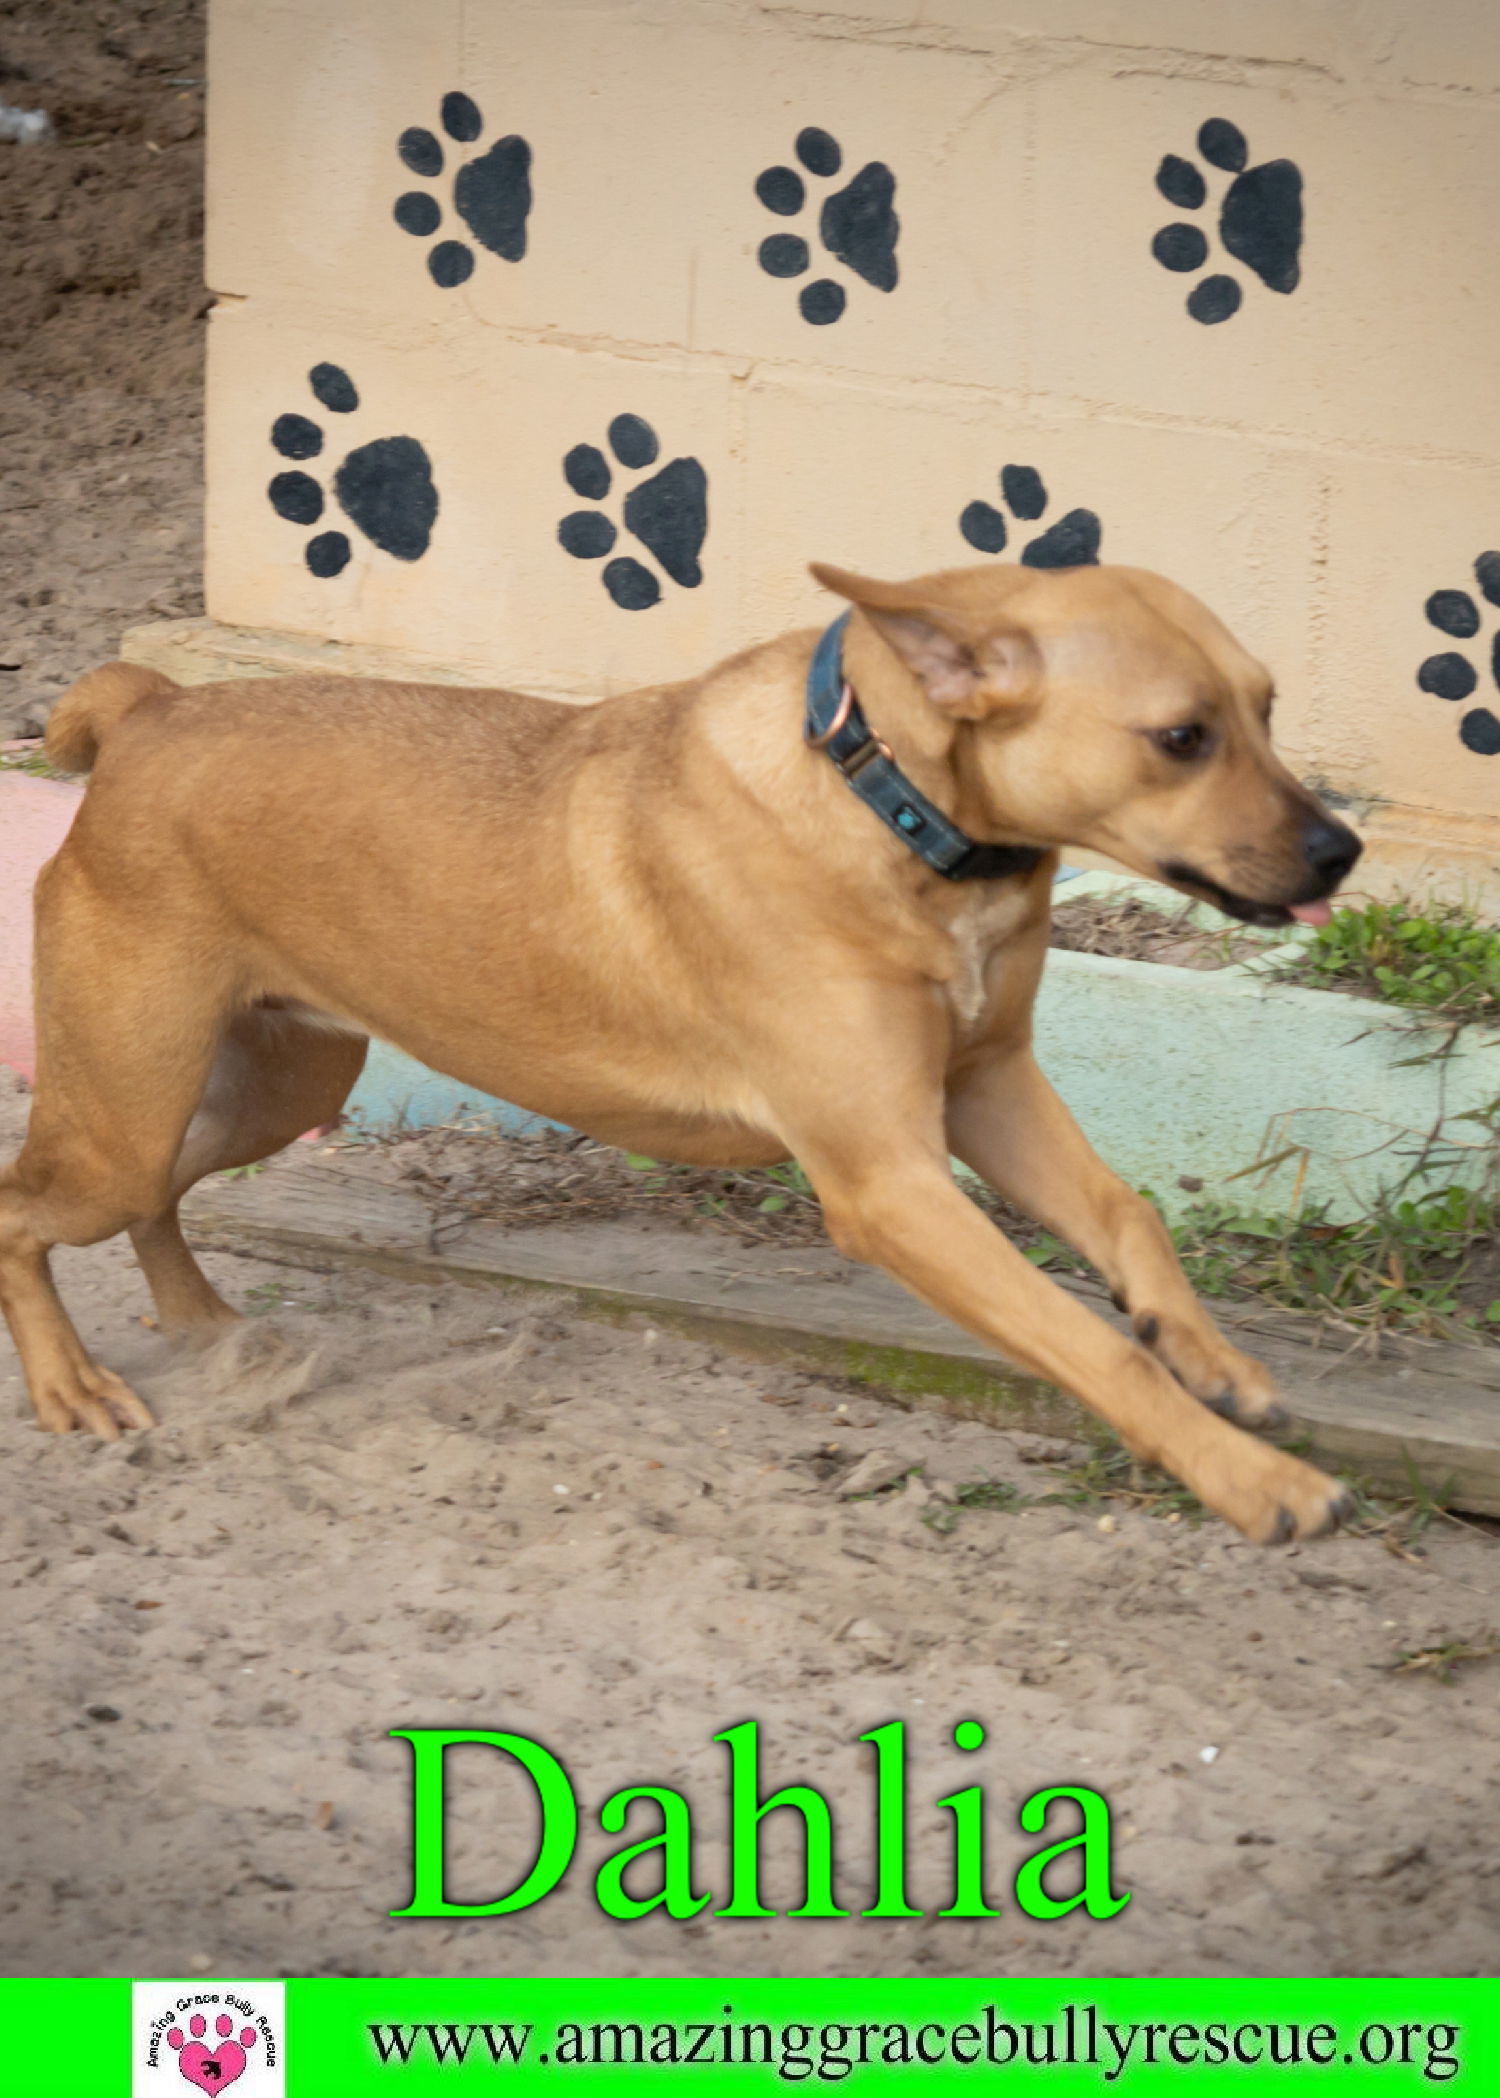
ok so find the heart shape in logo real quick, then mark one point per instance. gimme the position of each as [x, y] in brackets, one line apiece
[211, 2069]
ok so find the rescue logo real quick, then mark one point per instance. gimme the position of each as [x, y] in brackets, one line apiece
[209, 2035]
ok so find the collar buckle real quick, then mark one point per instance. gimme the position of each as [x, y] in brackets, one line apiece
[834, 717]
[853, 762]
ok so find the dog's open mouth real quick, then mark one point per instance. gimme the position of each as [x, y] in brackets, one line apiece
[1315, 911]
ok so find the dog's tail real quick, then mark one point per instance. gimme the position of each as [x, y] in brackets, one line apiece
[87, 711]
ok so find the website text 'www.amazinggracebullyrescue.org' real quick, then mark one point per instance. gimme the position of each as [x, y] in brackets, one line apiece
[1078, 2036]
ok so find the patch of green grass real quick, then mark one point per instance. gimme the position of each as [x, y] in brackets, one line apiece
[1396, 1519]
[1406, 1263]
[783, 1185]
[1110, 1473]
[997, 1494]
[1440, 1661]
[1047, 1251]
[1437, 959]
[1107, 1474]
[992, 1496]
[1421, 1264]
[269, 1296]
[1399, 1520]
[32, 762]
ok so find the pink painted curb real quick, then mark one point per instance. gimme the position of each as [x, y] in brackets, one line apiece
[34, 819]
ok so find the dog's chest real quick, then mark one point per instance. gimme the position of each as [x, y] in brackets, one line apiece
[983, 927]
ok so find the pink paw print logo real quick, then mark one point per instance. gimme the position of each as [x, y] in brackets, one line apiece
[212, 2068]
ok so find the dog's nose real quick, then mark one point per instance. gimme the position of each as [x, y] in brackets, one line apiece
[1331, 849]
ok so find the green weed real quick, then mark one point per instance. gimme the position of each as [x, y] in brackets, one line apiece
[993, 1496]
[1423, 1264]
[1409, 1262]
[1399, 1520]
[997, 1494]
[1110, 1473]
[1438, 959]
[1441, 1660]
[269, 1296]
[32, 762]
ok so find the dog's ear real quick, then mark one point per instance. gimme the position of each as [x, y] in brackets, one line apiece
[964, 677]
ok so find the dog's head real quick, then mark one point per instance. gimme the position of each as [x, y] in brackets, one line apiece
[1103, 708]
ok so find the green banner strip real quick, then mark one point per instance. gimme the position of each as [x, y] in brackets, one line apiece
[761, 2035]
[57, 2035]
[346, 2039]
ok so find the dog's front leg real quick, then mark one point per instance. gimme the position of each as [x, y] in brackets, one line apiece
[898, 1206]
[1005, 1120]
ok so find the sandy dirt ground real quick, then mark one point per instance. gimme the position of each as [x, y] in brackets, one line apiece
[101, 337]
[385, 1505]
[388, 1505]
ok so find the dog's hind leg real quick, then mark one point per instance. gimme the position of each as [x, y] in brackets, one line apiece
[129, 1016]
[276, 1076]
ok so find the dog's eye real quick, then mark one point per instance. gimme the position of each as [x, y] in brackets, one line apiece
[1184, 741]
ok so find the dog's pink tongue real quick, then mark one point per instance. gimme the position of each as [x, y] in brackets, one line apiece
[1312, 913]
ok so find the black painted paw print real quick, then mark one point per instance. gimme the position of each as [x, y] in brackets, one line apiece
[1452, 676]
[1073, 542]
[668, 514]
[492, 195]
[385, 487]
[1260, 220]
[857, 225]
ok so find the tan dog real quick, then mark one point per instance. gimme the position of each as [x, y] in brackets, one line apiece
[667, 921]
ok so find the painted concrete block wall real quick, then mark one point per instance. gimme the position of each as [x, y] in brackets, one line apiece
[554, 339]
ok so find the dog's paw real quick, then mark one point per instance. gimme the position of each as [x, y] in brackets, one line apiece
[491, 194]
[1071, 542]
[668, 514]
[1273, 1498]
[384, 487]
[857, 225]
[1260, 220]
[1233, 1385]
[84, 1396]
